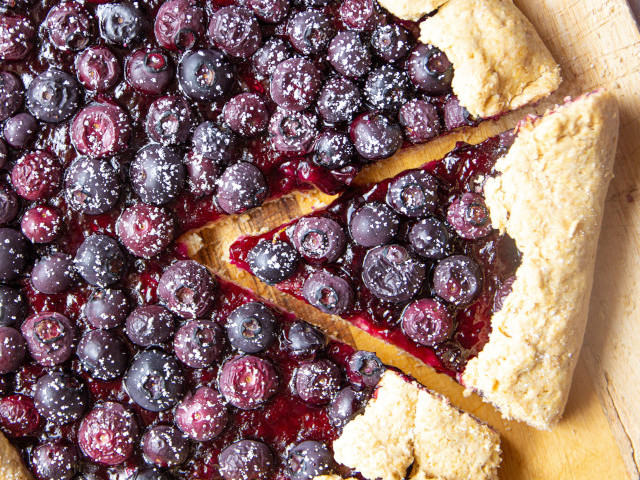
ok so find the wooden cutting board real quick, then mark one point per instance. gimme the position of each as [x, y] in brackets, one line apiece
[597, 44]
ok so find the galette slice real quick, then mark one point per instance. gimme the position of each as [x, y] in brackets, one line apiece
[479, 264]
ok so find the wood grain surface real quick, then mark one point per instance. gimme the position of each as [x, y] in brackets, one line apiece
[597, 43]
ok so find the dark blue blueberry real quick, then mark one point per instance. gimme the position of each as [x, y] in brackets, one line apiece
[273, 262]
[457, 279]
[157, 174]
[122, 24]
[373, 224]
[246, 460]
[205, 75]
[429, 238]
[53, 96]
[308, 460]
[61, 398]
[100, 260]
[414, 194]
[13, 254]
[92, 185]
[103, 354]
[251, 327]
[53, 274]
[327, 292]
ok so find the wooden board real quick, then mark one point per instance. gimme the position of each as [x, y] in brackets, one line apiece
[596, 43]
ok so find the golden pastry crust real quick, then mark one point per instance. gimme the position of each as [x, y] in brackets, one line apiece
[500, 63]
[410, 9]
[549, 198]
[11, 465]
[404, 425]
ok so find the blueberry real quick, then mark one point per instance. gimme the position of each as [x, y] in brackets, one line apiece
[187, 289]
[213, 142]
[333, 150]
[202, 174]
[122, 24]
[430, 70]
[12, 350]
[50, 337]
[13, 307]
[240, 187]
[100, 130]
[391, 42]
[199, 343]
[20, 130]
[100, 261]
[92, 186]
[469, 216]
[53, 96]
[103, 354]
[365, 369]
[157, 174]
[304, 340]
[270, 11]
[155, 381]
[392, 274]
[246, 460]
[349, 55]
[41, 224]
[427, 322]
[327, 292]
[360, 15]
[165, 446]
[36, 176]
[273, 262]
[414, 194]
[375, 136]
[235, 31]
[319, 239]
[4, 154]
[317, 381]
[13, 254]
[420, 120]
[149, 71]
[429, 238]
[205, 75]
[9, 205]
[11, 94]
[150, 325]
[55, 460]
[61, 398]
[293, 133]
[70, 26]
[179, 24]
[246, 114]
[308, 460]
[97, 68]
[310, 31]
[373, 224]
[295, 84]
[145, 230]
[247, 382]
[270, 55]
[108, 434]
[19, 416]
[17, 35]
[169, 120]
[345, 406]
[202, 415]
[455, 115]
[53, 274]
[457, 279]
[251, 327]
[152, 473]
[107, 308]
[339, 100]
[501, 295]
[387, 88]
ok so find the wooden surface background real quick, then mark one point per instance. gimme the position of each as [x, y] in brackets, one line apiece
[597, 43]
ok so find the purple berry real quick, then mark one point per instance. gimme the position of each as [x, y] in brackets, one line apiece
[333, 150]
[247, 382]
[365, 369]
[360, 15]
[310, 31]
[187, 289]
[100, 130]
[327, 292]
[169, 120]
[270, 55]
[375, 136]
[155, 380]
[100, 260]
[199, 343]
[317, 382]
[152, 473]
[270, 11]
[53, 96]
[50, 337]
[202, 174]
[319, 239]
[202, 415]
[122, 24]
[246, 114]
[305, 341]
[246, 460]
[273, 262]
[427, 322]
[293, 133]
[308, 460]
[392, 274]
[165, 446]
[13, 307]
[149, 71]
[13, 254]
[179, 24]
[97, 68]
[20, 130]
[12, 350]
[455, 115]
[92, 186]
[295, 84]
[469, 216]
[429, 238]
[36, 176]
[205, 75]
[41, 224]
[211, 141]
[107, 308]
[349, 55]
[430, 70]
[240, 187]
[391, 42]
[150, 325]
[61, 398]
[251, 327]
[420, 120]
[373, 224]
[70, 26]
[19, 416]
[103, 354]
[9, 205]
[145, 230]
[108, 434]
[339, 100]
[387, 88]
[235, 31]
[457, 279]
[54, 460]
[11, 94]
[157, 174]
[345, 406]
[17, 35]
[414, 194]
[53, 274]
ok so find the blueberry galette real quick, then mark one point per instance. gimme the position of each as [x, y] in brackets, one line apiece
[479, 264]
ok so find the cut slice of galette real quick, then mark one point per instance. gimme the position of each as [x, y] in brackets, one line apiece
[479, 264]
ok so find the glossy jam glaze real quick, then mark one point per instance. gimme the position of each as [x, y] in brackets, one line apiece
[462, 170]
